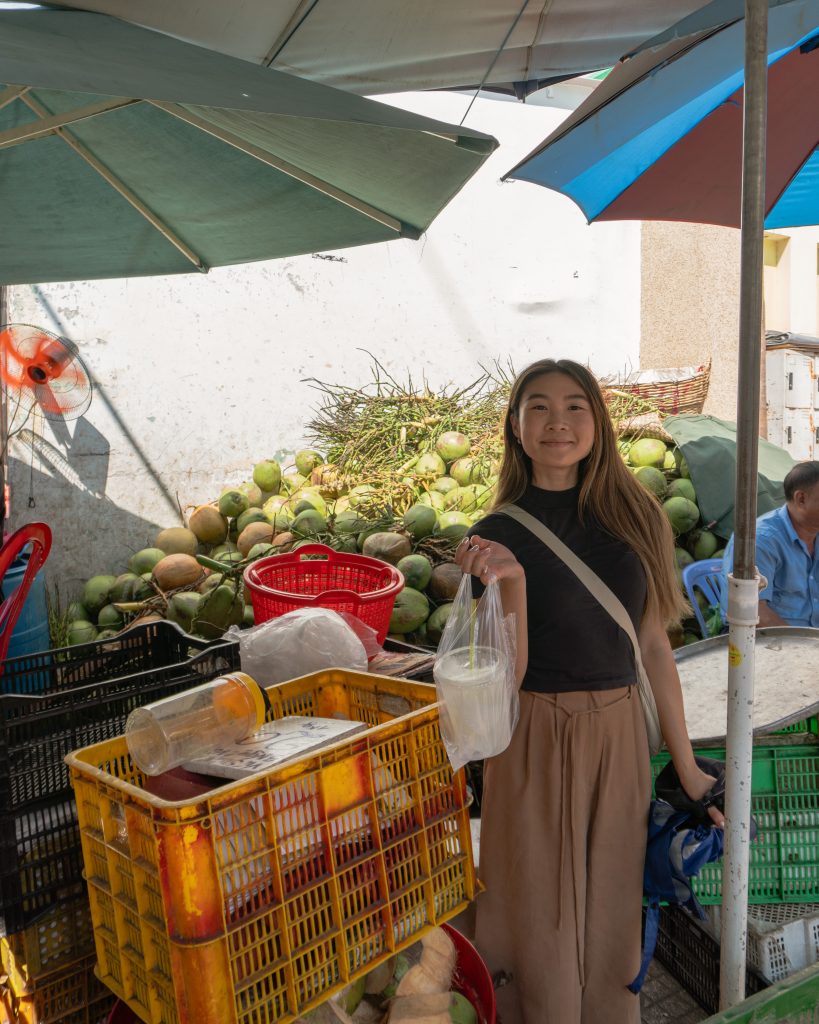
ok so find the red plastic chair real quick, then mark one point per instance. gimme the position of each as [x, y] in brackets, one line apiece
[38, 535]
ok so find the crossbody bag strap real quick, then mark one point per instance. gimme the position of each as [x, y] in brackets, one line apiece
[588, 577]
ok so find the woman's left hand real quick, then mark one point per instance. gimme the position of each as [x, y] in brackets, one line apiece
[696, 784]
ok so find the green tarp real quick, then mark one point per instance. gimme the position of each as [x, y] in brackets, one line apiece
[710, 449]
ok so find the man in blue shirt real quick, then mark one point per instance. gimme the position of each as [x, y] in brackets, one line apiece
[787, 553]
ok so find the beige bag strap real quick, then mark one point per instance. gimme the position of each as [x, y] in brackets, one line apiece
[588, 577]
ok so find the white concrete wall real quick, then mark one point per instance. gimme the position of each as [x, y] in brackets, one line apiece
[199, 377]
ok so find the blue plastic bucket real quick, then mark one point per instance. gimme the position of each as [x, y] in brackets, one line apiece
[30, 633]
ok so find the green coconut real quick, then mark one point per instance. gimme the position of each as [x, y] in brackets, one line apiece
[226, 553]
[305, 498]
[248, 617]
[434, 499]
[81, 632]
[233, 503]
[348, 522]
[461, 1011]
[683, 558]
[437, 621]
[452, 445]
[361, 494]
[95, 593]
[420, 520]
[452, 525]
[281, 521]
[130, 587]
[411, 609]
[292, 480]
[669, 463]
[468, 497]
[76, 611]
[465, 471]
[267, 475]
[682, 488]
[252, 492]
[307, 459]
[388, 546]
[416, 569]
[273, 504]
[145, 560]
[250, 515]
[652, 479]
[106, 634]
[110, 617]
[208, 524]
[444, 582]
[648, 451]
[704, 544]
[309, 523]
[719, 553]
[444, 484]
[261, 550]
[220, 608]
[346, 542]
[429, 466]
[682, 514]
[177, 540]
[183, 607]
[682, 465]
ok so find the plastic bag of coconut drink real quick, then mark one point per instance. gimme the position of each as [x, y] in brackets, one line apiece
[474, 675]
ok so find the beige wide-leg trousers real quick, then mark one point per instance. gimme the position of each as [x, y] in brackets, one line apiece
[563, 832]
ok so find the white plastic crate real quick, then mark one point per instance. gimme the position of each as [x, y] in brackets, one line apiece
[816, 382]
[789, 378]
[795, 431]
[782, 937]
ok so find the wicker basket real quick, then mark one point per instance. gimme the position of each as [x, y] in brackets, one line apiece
[670, 397]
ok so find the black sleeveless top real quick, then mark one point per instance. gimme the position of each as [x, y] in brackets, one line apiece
[574, 644]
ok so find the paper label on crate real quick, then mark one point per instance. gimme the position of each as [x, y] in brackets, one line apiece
[273, 744]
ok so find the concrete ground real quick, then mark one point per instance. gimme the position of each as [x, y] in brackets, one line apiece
[664, 1001]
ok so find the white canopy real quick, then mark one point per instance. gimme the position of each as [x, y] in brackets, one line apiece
[380, 46]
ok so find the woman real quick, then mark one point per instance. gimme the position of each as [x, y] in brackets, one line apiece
[565, 807]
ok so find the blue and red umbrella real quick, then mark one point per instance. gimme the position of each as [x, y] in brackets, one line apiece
[661, 137]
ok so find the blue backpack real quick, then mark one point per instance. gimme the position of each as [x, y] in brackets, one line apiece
[676, 852]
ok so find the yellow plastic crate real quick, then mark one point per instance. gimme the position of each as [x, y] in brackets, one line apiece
[55, 939]
[256, 902]
[73, 995]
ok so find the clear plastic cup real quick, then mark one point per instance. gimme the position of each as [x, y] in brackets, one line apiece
[169, 732]
[472, 684]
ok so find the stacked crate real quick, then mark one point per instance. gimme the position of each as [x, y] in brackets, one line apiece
[283, 887]
[783, 876]
[50, 704]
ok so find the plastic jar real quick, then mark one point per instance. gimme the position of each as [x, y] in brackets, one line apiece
[169, 732]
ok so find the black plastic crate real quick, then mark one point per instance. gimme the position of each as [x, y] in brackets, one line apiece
[88, 700]
[691, 955]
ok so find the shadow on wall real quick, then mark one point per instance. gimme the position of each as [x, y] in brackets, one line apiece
[91, 534]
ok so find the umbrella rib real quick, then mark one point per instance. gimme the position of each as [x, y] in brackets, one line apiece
[12, 93]
[119, 186]
[47, 125]
[282, 165]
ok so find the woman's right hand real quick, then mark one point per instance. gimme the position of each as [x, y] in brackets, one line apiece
[487, 558]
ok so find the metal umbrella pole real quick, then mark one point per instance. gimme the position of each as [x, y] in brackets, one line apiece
[743, 583]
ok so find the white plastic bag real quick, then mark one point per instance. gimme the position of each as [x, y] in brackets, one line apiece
[306, 640]
[475, 676]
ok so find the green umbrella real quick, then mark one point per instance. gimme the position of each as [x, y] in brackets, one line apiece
[127, 152]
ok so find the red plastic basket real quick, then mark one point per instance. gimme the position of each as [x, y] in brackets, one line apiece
[472, 978]
[362, 586]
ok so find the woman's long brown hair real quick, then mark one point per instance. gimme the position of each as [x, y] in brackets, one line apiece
[609, 493]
